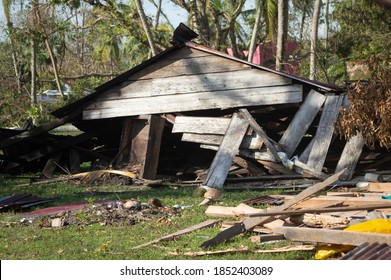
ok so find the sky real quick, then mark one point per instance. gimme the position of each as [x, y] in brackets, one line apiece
[175, 14]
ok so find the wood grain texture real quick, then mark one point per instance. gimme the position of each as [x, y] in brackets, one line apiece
[227, 151]
[194, 101]
[302, 121]
[324, 133]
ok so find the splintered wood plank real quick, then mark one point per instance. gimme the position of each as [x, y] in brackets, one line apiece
[227, 151]
[206, 224]
[332, 236]
[253, 142]
[250, 223]
[195, 83]
[301, 121]
[193, 101]
[324, 133]
[350, 156]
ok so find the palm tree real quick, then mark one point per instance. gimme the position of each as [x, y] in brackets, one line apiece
[267, 8]
[314, 39]
[282, 34]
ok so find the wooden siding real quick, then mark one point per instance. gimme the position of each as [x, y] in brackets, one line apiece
[191, 80]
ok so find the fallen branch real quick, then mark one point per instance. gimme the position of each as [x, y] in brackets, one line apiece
[206, 224]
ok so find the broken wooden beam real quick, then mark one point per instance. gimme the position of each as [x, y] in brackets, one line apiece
[205, 224]
[250, 223]
[258, 129]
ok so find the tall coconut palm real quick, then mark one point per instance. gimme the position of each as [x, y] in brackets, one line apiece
[314, 38]
[282, 34]
[267, 9]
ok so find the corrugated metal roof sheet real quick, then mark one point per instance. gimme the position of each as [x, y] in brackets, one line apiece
[19, 201]
[368, 251]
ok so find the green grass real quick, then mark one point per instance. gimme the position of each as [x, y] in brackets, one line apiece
[94, 241]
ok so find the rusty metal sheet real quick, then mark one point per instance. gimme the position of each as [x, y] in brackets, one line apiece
[366, 251]
[20, 201]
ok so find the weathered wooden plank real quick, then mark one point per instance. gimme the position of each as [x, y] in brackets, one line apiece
[74, 161]
[330, 236]
[324, 133]
[170, 67]
[258, 155]
[253, 142]
[125, 141]
[51, 165]
[194, 101]
[201, 125]
[227, 151]
[195, 83]
[206, 224]
[301, 121]
[252, 168]
[145, 147]
[350, 156]
[277, 167]
[154, 144]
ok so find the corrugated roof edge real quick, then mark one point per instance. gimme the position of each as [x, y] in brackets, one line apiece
[122, 77]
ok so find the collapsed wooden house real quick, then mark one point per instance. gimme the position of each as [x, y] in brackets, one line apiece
[170, 114]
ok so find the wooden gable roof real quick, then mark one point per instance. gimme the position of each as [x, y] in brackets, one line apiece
[191, 77]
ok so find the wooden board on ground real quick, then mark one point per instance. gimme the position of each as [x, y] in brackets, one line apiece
[330, 236]
[250, 223]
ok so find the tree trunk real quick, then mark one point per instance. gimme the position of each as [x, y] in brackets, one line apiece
[6, 8]
[303, 16]
[159, 10]
[327, 23]
[194, 19]
[254, 36]
[49, 48]
[146, 28]
[314, 38]
[282, 34]
[33, 69]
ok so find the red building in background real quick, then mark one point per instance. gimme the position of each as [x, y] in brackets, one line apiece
[265, 54]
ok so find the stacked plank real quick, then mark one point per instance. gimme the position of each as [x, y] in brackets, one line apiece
[312, 219]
